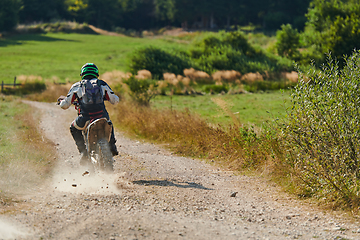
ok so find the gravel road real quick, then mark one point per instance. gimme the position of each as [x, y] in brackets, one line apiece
[154, 194]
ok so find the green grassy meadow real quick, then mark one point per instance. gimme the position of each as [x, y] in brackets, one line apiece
[61, 55]
[249, 109]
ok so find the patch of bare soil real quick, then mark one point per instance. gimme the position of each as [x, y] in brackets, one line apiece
[154, 194]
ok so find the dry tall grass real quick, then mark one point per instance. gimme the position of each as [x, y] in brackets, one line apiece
[252, 77]
[51, 94]
[197, 75]
[226, 75]
[115, 77]
[30, 78]
[143, 74]
[226, 108]
[291, 76]
[234, 147]
[173, 80]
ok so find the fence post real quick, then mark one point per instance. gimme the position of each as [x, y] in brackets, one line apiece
[2, 86]
[15, 81]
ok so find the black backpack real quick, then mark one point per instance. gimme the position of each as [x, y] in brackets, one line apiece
[92, 93]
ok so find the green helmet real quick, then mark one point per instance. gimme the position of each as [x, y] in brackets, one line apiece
[89, 69]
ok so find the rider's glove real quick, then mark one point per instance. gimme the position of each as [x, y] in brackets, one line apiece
[60, 99]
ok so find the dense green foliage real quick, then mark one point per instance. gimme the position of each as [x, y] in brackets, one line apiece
[158, 61]
[288, 42]
[145, 14]
[220, 51]
[9, 10]
[231, 51]
[140, 90]
[322, 135]
[332, 26]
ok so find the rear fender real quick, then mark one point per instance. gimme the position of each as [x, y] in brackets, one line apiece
[99, 129]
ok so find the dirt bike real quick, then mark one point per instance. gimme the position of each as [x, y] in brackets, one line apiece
[97, 135]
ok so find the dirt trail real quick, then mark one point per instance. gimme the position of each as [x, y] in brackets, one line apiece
[156, 195]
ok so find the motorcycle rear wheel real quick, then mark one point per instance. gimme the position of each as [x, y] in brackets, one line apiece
[105, 156]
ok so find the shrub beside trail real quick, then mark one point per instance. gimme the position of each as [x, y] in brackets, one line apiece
[322, 133]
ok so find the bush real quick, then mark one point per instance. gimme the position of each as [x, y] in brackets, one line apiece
[158, 62]
[322, 136]
[214, 52]
[231, 51]
[141, 90]
[288, 42]
[217, 88]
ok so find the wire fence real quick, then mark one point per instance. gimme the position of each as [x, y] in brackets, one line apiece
[9, 85]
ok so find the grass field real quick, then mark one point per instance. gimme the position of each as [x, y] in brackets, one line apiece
[59, 56]
[247, 108]
[62, 55]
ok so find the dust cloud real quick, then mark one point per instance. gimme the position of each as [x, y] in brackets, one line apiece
[10, 230]
[81, 180]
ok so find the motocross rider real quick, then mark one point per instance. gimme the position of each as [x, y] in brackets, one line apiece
[88, 112]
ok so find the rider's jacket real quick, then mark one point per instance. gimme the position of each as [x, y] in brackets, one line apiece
[76, 92]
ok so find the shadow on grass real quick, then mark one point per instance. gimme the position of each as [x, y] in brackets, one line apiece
[19, 39]
[167, 183]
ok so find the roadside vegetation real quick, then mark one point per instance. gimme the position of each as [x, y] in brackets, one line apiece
[312, 151]
[321, 134]
[26, 158]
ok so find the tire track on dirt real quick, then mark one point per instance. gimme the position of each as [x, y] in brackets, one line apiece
[154, 194]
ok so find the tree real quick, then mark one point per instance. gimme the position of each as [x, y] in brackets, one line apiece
[103, 13]
[76, 8]
[333, 26]
[40, 10]
[165, 9]
[9, 12]
[288, 42]
[137, 14]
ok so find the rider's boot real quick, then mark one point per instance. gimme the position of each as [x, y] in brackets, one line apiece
[112, 142]
[113, 149]
[80, 143]
[79, 138]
